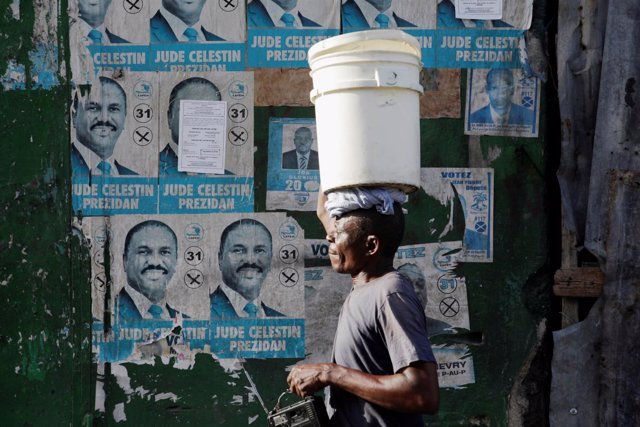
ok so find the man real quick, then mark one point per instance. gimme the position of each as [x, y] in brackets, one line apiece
[179, 21]
[91, 24]
[150, 257]
[303, 157]
[500, 110]
[359, 14]
[194, 88]
[383, 370]
[244, 258]
[98, 119]
[277, 13]
[416, 277]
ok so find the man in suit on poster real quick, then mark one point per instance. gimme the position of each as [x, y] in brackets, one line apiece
[179, 21]
[500, 88]
[91, 24]
[98, 119]
[360, 14]
[277, 13]
[244, 258]
[303, 157]
[150, 257]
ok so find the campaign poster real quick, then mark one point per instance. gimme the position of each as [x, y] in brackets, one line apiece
[232, 283]
[513, 14]
[455, 365]
[293, 175]
[183, 192]
[114, 138]
[502, 102]
[199, 36]
[474, 191]
[281, 33]
[104, 33]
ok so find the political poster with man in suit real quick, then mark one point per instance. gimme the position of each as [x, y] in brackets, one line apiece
[293, 176]
[232, 283]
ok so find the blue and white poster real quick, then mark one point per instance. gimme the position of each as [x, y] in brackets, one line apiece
[232, 283]
[293, 177]
[280, 32]
[474, 190]
[502, 102]
[198, 193]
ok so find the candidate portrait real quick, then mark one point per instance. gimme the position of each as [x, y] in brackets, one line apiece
[361, 14]
[91, 25]
[501, 110]
[193, 89]
[149, 258]
[244, 258]
[278, 13]
[179, 21]
[98, 116]
[302, 157]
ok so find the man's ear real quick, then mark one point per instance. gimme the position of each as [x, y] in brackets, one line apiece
[372, 244]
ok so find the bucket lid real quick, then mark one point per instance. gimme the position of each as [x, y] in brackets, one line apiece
[406, 43]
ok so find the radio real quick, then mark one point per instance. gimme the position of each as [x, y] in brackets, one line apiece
[309, 412]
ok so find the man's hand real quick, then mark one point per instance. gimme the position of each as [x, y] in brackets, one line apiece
[304, 380]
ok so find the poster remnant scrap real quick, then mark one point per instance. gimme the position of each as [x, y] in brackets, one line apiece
[502, 102]
[281, 33]
[455, 365]
[474, 189]
[293, 177]
[230, 285]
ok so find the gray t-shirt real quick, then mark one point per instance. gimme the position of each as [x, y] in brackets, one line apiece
[382, 329]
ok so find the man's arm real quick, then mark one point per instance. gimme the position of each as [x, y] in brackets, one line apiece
[322, 213]
[413, 389]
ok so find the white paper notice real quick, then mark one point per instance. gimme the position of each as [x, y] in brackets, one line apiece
[479, 9]
[203, 130]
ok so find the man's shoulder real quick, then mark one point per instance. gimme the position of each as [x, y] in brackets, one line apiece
[520, 114]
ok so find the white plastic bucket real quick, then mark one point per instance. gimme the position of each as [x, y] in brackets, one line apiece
[366, 90]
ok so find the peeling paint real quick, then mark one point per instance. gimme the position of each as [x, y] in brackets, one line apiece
[15, 9]
[6, 281]
[14, 76]
[44, 56]
[118, 412]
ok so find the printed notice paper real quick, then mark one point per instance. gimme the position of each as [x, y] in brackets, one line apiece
[479, 9]
[202, 136]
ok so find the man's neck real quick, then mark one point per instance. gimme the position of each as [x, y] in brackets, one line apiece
[372, 272]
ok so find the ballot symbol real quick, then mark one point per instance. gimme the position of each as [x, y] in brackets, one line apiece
[100, 282]
[193, 279]
[193, 255]
[289, 277]
[228, 5]
[238, 135]
[238, 113]
[449, 307]
[132, 6]
[480, 226]
[142, 113]
[288, 254]
[142, 136]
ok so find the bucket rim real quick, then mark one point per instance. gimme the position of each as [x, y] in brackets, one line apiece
[360, 36]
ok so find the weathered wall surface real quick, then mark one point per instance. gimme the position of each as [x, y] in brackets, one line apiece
[49, 370]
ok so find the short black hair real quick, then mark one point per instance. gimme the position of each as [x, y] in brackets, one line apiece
[236, 224]
[85, 89]
[188, 82]
[142, 225]
[496, 73]
[388, 228]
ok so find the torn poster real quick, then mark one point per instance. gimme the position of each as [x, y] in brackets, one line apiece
[293, 176]
[474, 189]
[230, 285]
[502, 102]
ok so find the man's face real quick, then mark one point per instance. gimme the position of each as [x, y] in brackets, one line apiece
[500, 90]
[245, 259]
[286, 4]
[195, 91]
[93, 11]
[99, 119]
[187, 10]
[381, 5]
[303, 139]
[346, 246]
[150, 261]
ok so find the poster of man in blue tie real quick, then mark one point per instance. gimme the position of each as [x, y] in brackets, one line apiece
[293, 176]
[232, 283]
[113, 139]
[281, 31]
